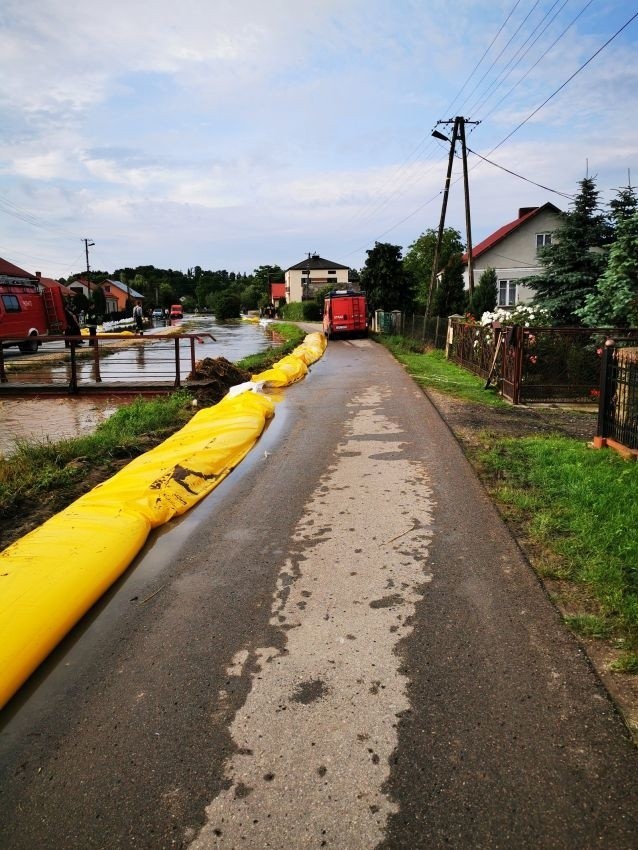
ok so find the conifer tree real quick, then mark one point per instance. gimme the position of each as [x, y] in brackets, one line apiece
[575, 260]
[450, 298]
[615, 300]
[485, 294]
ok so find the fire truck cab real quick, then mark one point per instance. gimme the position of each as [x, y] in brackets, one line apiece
[345, 312]
[28, 311]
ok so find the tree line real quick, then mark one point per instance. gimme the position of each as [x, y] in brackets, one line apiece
[589, 273]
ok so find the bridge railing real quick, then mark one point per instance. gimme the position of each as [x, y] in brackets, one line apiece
[99, 362]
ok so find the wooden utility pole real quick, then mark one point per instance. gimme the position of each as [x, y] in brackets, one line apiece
[458, 132]
[88, 244]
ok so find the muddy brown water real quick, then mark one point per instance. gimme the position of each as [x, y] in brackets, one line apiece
[58, 418]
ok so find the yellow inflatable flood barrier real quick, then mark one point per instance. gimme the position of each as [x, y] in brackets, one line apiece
[52, 576]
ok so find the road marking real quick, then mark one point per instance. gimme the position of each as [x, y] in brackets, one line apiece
[316, 734]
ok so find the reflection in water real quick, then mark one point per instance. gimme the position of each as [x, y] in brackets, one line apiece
[55, 419]
[50, 419]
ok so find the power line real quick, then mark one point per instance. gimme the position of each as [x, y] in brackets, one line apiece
[520, 176]
[512, 37]
[540, 58]
[476, 67]
[520, 54]
[560, 88]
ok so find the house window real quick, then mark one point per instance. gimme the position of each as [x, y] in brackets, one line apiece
[506, 293]
[11, 303]
[543, 240]
[331, 280]
[332, 271]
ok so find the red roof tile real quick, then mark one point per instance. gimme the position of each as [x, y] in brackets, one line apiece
[13, 271]
[500, 234]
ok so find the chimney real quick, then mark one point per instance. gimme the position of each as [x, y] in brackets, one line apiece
[38, 275]
[525, 210]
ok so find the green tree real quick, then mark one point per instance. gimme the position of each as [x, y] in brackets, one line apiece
[450, 297]
[485, 295]
[384, 279]
[575, 260]
[624, 205]
[419, 258]
[615, 300]
[226, 306]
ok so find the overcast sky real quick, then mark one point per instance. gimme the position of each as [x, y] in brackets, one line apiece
[233, 133]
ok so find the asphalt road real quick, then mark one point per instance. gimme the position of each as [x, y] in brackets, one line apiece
[341, 647]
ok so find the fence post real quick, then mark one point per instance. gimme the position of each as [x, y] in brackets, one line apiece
[606, 391]
[177, 375]
[436, 331]
[3, 374]
[73, 383]
[97, 377]
[425, 318]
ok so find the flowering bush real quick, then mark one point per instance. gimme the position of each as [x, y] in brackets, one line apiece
[522, 314]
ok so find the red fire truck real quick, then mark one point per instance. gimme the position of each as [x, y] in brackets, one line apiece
[345, 312]
[29, 309]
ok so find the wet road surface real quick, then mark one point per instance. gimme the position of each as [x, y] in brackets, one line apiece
[341, 647]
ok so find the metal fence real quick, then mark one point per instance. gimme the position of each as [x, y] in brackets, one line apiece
[534, 364]
[618, 408]
[430, 331]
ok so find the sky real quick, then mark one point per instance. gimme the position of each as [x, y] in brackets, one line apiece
[231, 134]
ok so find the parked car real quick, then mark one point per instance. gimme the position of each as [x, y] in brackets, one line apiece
[158, 313]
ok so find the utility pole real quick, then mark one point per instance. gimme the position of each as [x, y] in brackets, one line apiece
[458, 133]
[88, 244]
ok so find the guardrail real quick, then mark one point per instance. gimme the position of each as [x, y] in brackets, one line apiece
[99, 363]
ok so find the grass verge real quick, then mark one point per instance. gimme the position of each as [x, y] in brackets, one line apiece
[579, 509]
[431, 369]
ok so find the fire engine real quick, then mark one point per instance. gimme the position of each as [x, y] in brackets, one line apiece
[29, 310]
[345, 312]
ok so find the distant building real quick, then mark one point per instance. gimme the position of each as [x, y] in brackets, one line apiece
[304, 279]
[117, 294]
[277, 293]
[512, 251]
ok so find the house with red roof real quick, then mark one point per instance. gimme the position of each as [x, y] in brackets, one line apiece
[512, 251]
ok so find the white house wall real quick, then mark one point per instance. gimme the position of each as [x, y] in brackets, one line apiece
[515, 257]
[318, 279]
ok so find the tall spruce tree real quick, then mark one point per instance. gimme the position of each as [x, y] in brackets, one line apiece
[575, 260]
[449, 298]
[624, 205]
[485, 294]
[615, 299]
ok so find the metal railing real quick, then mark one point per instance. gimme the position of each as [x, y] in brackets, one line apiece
[99, 363]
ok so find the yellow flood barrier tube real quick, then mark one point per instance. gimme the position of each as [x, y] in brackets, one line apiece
[52, 576]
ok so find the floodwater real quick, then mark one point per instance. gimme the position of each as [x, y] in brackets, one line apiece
[57, 418]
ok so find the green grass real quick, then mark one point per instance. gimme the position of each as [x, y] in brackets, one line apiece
[431, 369]
[292, 336]
[580, 505]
